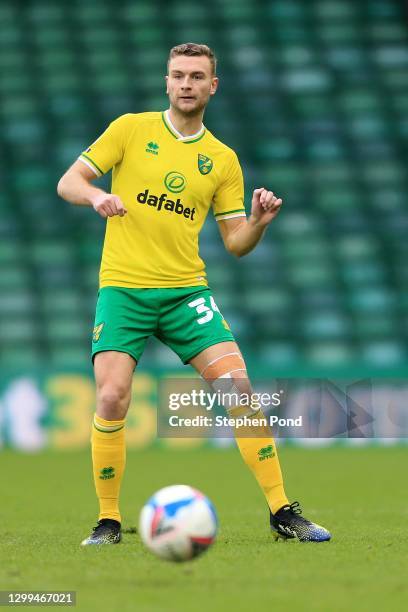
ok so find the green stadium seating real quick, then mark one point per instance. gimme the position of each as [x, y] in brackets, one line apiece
[313, 97]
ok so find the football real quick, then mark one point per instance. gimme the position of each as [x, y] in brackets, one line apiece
[178, 523]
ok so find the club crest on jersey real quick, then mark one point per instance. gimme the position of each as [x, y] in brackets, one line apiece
[205, 164]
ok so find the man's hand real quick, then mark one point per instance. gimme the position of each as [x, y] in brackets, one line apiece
[240, 236]
[108, 205]
[265, 206]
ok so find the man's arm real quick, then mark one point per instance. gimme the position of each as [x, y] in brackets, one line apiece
[241, 235]
[75, 187]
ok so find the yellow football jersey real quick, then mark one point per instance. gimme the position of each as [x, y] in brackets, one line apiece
[167, 182]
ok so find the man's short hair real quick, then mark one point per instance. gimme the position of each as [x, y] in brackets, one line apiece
[193, 49]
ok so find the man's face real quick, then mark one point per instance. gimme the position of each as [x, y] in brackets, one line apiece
[190, 83]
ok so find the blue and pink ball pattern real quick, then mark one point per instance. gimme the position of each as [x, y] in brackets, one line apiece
[178, 523]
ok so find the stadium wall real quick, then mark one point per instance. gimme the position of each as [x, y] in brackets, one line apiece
[54, 409]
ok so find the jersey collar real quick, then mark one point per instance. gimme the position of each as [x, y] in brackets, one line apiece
[186, 139]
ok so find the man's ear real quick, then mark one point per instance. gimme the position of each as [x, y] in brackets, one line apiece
[167, 84]
[214, 85]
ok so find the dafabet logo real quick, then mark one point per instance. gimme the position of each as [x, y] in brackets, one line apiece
[163, 202]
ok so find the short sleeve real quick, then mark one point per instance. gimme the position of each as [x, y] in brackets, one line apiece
[108, 149]
[228, 200]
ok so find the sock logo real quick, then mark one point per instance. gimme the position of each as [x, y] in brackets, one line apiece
[266, 452]
[107, 472]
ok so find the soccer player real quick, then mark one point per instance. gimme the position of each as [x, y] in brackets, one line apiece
[167, 171]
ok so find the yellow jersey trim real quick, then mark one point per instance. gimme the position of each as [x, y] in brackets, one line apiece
[92, 162]
[184, 139]
[229, 212]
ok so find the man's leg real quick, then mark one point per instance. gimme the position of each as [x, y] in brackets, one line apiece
[224, 362]
[225, 359]
[113, 376]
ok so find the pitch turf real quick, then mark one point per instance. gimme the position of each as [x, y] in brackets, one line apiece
[47, 507]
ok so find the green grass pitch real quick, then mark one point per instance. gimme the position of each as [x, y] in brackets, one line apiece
[48, 506]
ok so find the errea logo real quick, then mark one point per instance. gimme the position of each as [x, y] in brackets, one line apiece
[106, 473]
[266, 452]
[152, 147]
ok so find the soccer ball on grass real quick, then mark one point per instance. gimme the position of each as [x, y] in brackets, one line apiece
[178, 523]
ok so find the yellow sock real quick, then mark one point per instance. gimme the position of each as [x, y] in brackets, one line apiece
[260, 454]
[109, 458]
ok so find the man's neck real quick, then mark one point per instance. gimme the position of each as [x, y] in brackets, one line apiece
[186, 125]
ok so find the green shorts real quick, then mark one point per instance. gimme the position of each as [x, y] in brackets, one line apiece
[185, 318]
